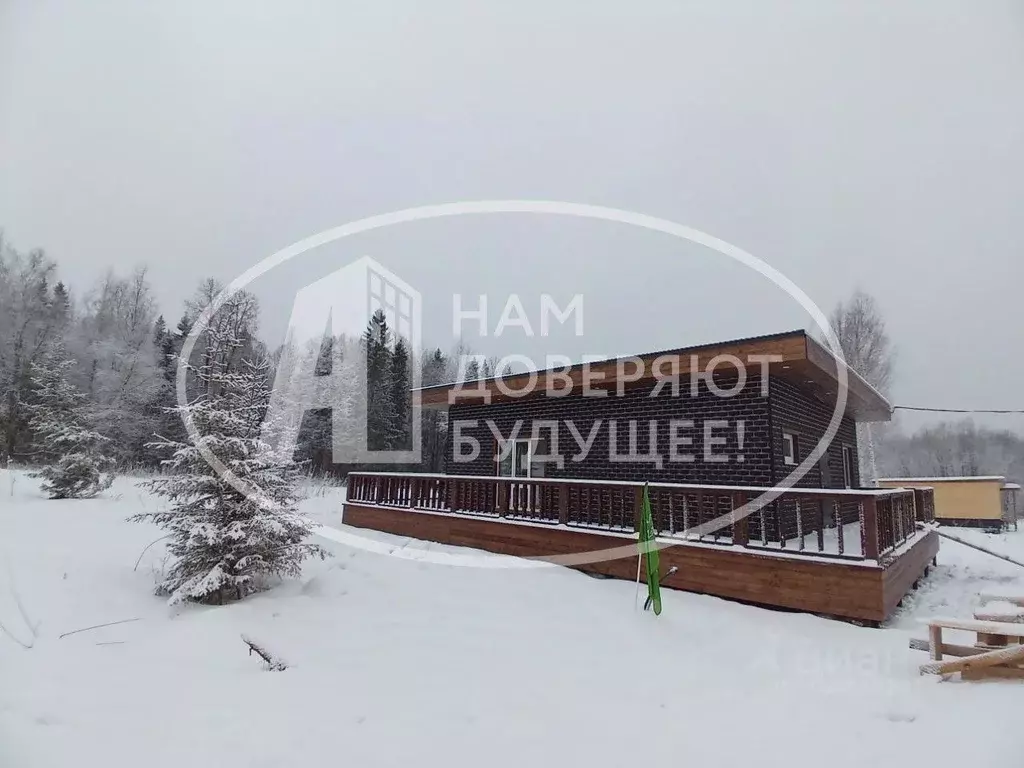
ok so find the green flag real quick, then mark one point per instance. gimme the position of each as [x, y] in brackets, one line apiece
[648, 548]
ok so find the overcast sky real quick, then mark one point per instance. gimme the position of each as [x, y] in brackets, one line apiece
[878, 145]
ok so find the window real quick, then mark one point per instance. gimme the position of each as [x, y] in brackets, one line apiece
[789, 448]
[521, 457]
[513, 458]
[848, 466]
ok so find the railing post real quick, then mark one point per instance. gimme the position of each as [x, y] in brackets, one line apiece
[740, 531]
[503, 490]
[821, 524]
[378, 489]
[414, 490]
[837, 515]
[563, 504]
[869, 528]
[900, 519]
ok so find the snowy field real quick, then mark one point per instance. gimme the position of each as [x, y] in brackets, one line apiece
[400, 662]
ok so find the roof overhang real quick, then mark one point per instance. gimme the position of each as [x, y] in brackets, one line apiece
[793, 356]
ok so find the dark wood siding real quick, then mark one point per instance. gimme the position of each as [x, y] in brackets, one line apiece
[798, 412]
[787, 408]
[638, 405]
[795, 411]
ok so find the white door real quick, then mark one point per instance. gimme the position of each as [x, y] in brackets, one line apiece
[514, 460]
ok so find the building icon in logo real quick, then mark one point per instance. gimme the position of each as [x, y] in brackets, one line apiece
[339, 308]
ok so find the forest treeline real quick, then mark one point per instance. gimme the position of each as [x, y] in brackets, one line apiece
[123, 353]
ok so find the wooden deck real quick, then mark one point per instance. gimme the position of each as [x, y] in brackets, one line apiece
[828, 571]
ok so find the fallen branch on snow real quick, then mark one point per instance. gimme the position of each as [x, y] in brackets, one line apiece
[273, 664]
[97, 626]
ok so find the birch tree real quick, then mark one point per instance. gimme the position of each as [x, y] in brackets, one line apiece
[236, 319]
[120, 361]
[860, 328]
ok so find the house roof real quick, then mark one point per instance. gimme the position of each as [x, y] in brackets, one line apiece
[796, 356]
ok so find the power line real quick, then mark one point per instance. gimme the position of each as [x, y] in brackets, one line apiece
[956, 410]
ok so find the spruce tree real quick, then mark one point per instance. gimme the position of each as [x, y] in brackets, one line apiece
[62, 432]
[171, 345]
[316, 430]
[61, 303]
[227, 542]
[401, 397]
[380, 407]
[161, 409]
[184, 328]
[434, 421]
[159, 331]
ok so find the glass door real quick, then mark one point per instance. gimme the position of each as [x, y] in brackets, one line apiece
[514, 460]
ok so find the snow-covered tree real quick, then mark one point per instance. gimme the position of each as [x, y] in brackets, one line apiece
[381, 430]
[327, 372]
[226, 542]
[434, 421]
[401, 394]
[31, 316]
[119, 361]
[230, 334]
[62, 433]
[860, 329]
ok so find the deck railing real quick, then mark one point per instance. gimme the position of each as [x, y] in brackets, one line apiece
[857, 524]
[924, 499]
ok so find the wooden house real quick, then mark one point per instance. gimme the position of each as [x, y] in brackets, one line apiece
[538, 466]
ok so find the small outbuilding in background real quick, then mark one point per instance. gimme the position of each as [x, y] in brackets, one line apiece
[985, 501]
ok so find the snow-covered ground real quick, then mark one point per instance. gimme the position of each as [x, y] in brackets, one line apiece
[400, 662]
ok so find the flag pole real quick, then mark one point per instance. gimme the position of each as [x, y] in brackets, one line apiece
[636, 596]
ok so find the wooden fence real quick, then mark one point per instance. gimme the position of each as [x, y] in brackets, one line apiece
[856, 524]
